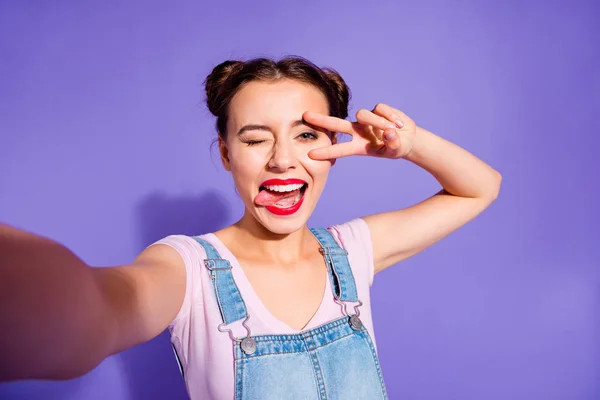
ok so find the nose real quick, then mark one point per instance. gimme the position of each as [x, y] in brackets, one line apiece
[283, 156]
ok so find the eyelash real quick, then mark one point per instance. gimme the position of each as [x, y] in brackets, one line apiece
[302, 135]
[253, 142]
[313, 136]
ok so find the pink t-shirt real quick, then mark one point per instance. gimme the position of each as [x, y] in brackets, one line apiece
[205, 353]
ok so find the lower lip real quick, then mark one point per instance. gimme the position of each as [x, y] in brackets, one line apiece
[286, 211]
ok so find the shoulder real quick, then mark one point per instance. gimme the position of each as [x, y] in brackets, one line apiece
[192, 250]
[191, 255]
[354, 236]
[189, 248]
[178, 242]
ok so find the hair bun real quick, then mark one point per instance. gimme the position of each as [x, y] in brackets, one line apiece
[341, 89]
[215, 83]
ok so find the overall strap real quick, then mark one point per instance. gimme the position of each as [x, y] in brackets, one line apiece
[229, 299]
[336, 258]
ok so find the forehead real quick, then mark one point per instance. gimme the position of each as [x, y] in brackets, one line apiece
[275, 102]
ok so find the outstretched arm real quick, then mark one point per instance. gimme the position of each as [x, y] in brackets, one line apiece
[60, 318]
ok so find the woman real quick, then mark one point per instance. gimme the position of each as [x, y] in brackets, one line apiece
[265, 308]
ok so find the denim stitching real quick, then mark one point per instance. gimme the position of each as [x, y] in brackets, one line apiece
[231, 304]
[239, 381]
[367, 338]
[338, 255]
[316, 356]
[299, 336]
[315, 347]
[316, 367]
[334, 255]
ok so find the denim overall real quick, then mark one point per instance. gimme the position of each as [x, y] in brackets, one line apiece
[336, 360]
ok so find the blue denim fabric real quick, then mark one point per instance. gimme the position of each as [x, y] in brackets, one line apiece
[230, 300]
[336, 360]
[340, 273]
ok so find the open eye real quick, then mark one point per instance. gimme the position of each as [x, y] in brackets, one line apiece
[308, 136]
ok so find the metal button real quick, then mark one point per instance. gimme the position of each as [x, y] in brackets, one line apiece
[248, 345]
[356, 323]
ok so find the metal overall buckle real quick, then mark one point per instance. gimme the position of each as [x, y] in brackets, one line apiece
[355, 321]
[248, 344]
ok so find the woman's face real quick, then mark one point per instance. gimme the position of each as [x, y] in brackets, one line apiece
[267, 148]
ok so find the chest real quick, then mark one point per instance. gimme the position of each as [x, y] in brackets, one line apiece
[293, 295]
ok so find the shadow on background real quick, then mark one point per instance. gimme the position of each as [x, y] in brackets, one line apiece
[151, 368]
[160, 215]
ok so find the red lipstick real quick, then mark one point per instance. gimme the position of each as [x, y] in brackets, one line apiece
[286, 211]
[290, 210]
[292, 181]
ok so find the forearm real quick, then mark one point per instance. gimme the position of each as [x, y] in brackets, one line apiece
[55, 324]
[459, 172]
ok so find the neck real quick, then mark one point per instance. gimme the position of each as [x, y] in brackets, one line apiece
[260, 243]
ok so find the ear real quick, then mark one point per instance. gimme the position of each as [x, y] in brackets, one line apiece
[224, 151]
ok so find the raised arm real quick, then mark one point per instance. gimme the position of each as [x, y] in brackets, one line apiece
[60, 317]
[469, 187]
[468, 184]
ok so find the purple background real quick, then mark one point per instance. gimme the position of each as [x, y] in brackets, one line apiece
[105, 147]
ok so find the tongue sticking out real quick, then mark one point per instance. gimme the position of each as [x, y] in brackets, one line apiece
[278, 199]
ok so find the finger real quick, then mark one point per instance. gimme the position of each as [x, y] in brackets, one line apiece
[391, 139]
[332, 124]
[391, 114]
[335, 151]
[378, 122]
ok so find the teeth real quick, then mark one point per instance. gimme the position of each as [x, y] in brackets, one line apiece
[284, 188]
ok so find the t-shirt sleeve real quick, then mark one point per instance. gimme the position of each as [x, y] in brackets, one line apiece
[191, 252]
[355, 237]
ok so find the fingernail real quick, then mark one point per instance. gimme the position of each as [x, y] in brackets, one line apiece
[399, 123]
[389, 135]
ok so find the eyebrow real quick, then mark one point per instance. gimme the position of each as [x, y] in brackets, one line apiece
[254, 127]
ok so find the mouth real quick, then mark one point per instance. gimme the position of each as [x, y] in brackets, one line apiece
[281, 197]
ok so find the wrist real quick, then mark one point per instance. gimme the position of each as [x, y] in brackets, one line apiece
[419, 146]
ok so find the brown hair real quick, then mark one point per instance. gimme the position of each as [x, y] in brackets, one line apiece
[227, 78]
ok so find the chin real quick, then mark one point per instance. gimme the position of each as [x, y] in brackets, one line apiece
[282, 224]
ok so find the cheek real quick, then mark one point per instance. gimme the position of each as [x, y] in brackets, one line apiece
[246, 160]
[318, 170]
[247, 166]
